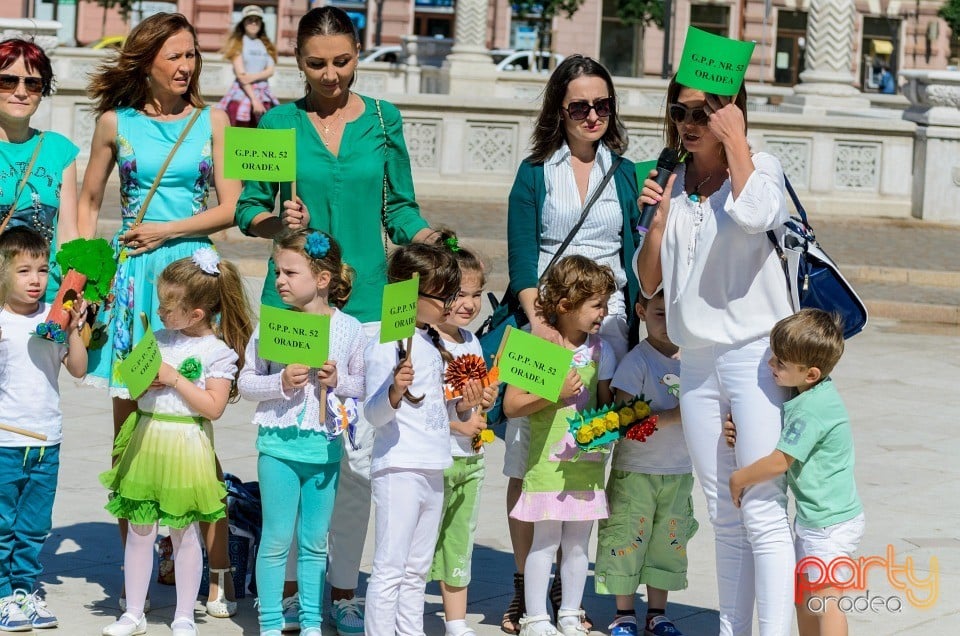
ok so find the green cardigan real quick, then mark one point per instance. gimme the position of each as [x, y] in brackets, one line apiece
[524, 226]
[344, 195]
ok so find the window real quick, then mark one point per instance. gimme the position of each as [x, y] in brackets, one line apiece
[619, 43]
[711, 18]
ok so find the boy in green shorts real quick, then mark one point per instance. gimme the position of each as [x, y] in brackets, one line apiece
[644, 541]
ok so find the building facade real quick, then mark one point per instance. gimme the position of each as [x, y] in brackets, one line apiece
[892, 34]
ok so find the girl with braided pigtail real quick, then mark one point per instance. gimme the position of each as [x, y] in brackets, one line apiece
[411, 418]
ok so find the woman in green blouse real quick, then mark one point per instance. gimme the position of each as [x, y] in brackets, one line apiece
[353, 182]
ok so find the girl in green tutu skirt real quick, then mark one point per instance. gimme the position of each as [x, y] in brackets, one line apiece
[166, 469]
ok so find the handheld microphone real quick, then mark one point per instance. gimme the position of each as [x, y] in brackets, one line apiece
[666, 164]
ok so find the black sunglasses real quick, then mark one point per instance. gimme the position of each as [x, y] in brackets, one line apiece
[11, 82]
[447, 301]
[680, 114]
[580, 110]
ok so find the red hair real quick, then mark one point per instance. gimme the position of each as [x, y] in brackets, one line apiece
[34, 59]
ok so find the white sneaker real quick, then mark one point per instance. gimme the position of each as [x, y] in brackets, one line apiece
[12, 618]
[539, 625]
[570, 622]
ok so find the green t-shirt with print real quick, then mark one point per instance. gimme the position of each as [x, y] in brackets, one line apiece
[817, 435]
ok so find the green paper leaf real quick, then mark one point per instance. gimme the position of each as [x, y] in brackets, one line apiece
[398, 318]
[294, 337]
[712, 63]
[534, 364]
[642, 170]
[260, 154]
[141, 365]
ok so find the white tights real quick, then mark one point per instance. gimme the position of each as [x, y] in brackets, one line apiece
[548, 536]
[138, 567]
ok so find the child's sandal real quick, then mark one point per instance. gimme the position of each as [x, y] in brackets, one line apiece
[220, 607]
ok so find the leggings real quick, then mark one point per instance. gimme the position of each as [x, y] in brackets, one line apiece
[287, 488]
[548, 536]
[754, 546]
[138, 567]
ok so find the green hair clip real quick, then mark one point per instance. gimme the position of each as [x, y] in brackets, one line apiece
[453, 243]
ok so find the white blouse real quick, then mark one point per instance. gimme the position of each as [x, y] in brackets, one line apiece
[217, 360]
[600, 237]
[722, 280]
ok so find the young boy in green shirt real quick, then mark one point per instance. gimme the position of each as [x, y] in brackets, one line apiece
[816, 452]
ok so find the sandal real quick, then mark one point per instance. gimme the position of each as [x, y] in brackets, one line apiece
[221, 607]
[510, 623]
[556, 596]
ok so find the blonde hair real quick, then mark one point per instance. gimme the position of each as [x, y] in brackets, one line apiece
[215, 294]
[810, 338]
[573, 279]
[341, 274]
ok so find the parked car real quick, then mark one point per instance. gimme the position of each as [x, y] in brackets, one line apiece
[538, 61]
[390, 54]
[108, 42]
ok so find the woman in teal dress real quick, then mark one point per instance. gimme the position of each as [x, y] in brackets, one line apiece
[144, 100]
[354, 183]
[47, 200]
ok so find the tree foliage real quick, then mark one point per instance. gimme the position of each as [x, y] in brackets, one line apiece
[950, 12]
[547, 10]
[643, 12]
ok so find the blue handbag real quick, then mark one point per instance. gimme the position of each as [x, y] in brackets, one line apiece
[813, 278]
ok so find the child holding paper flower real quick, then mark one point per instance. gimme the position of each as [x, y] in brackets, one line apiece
[462, 481]
[644, 541]
[411, 447]
[166, 468]
[560, 496]
[300, 448]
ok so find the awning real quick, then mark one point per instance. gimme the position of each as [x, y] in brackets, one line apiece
[881, 47]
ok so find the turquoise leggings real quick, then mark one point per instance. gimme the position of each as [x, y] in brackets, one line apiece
[286, 489]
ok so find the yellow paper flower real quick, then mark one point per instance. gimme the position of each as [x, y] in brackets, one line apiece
[642, 409]
[598, 427]
[487, 436]
[584, 435]
[626, 416]
[612, 421]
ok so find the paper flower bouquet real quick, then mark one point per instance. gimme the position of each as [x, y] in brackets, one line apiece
[459, 371]
[595, 430]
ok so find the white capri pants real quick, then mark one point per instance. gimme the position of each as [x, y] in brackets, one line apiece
[409, 507]
[755, 553]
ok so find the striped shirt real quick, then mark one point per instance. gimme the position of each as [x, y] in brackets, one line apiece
[599, 238]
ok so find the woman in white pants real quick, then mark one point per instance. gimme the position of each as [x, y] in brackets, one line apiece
[724, 289]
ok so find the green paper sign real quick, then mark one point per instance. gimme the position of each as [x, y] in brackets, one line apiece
[398, 318]
[293, 337]
[534, 364]
[712, 63]
[141, 365]
[260, 154]
[643, 169]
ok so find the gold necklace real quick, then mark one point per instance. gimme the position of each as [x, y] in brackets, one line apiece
[328, 131]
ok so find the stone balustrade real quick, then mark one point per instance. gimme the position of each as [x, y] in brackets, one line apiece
[470, 146]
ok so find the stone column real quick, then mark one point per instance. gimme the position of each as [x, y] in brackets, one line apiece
[469, 66]
[827, 81]
[935, 107]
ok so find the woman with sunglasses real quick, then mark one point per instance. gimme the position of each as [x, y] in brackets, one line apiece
[576, 138]
[45, 200]
[253, 57]
[724, 289]
[148, 108]
[353, 182]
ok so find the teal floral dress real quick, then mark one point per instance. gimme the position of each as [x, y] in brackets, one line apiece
[142, 146]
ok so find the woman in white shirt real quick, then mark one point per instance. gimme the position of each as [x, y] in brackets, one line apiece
[577, 137]
[724, 289]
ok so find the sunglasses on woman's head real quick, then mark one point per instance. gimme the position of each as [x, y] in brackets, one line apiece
[680, 114]
[580, 110]
[9, 83]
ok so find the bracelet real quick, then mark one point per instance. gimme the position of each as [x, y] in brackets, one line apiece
[174, 385]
